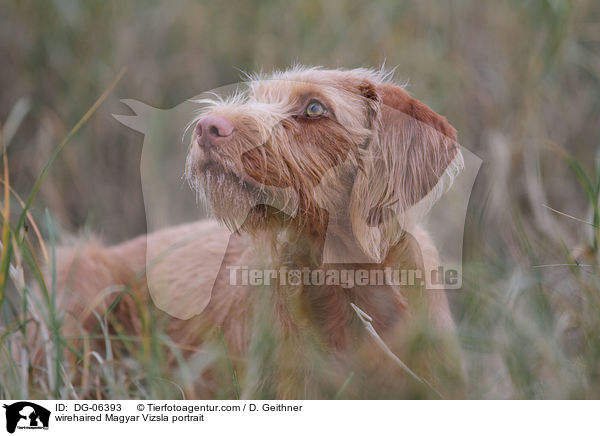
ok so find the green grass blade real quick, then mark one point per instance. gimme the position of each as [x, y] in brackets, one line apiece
[582, 178]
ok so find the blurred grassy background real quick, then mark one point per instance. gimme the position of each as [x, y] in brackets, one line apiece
[520, 80]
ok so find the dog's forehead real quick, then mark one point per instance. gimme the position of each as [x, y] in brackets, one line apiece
[291, 86]
[289, 91]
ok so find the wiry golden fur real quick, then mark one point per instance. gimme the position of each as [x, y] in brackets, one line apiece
[357, 181]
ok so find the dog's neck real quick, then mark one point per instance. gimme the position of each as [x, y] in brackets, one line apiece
[335, 244]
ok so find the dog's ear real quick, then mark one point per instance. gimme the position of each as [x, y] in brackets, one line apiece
[412, 159]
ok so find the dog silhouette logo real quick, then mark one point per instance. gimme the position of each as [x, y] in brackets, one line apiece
[26, 415]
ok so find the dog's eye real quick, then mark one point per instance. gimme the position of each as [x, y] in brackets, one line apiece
[315, 109]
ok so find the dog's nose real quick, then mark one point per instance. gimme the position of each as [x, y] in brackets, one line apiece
[212, 130]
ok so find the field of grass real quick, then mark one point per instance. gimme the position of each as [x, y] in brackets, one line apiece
[520, 80]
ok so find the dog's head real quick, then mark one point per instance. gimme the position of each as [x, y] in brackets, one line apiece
[338, 145]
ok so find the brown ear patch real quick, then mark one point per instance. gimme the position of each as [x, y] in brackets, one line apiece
[425, 151]
[368, 90]
[397, 98]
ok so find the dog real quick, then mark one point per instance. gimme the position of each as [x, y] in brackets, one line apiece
[309, 170]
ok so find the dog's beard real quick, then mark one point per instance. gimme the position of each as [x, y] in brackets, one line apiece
[231, 199]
